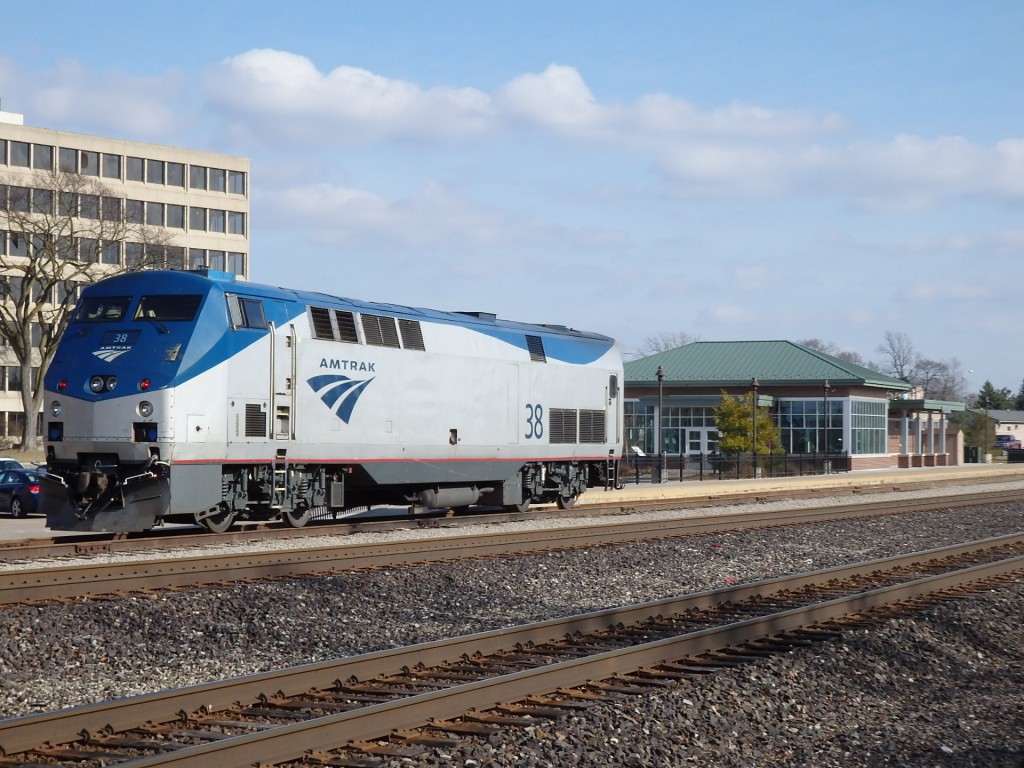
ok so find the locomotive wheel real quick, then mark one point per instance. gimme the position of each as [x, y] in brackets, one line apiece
[220, 522]
[566, 502]
[297, 516]
[518, 507]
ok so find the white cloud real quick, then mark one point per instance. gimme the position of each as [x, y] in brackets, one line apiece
[288, 95]
[111, 103]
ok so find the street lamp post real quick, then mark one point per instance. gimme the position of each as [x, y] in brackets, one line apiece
[658, 435]
[826, 466]
[753, 421]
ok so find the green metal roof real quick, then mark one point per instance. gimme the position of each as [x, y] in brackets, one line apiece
[735, 363]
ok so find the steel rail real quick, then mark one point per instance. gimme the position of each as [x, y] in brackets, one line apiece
[70, 581]
[20, 734]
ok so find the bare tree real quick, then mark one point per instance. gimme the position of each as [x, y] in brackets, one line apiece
[855, 358]
[900, 358]
[664, 341]
[65, 230]
[817, 344]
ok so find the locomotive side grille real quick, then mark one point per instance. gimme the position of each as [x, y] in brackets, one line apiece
[536, 346]
[333, 324]
[591, 426]
[412, 335]
[346, 322]
[255, 420]
[380, 331]
[561, 425]
[321, 318]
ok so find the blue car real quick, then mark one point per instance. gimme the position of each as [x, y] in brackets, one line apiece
[19, 491]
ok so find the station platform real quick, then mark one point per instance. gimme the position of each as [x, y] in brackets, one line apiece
[875, 478]
[34, 526]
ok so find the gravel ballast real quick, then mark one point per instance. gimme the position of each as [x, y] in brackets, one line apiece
[940, 687]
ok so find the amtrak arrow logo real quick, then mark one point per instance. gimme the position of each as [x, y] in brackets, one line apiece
[339, 393]
[109, 354]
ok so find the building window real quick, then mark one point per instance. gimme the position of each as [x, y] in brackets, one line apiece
[216, 220]
[90, 163]
[42, 157]
[89, 206]
[175, 175]
[218, 180]
[111, 253]
[803, 428]
[135, 169]
[236, 182]
[68, 159]
[3, 151]
[155, 171]
[217, 260]
[19, 154]
[111, 166]
[236, 223]
[197, 177]
[155, 214]
[18, 199]
[197, 219]
[88, 249]
[134, 212]
[110, 208]
[18, 244]
[639, 424]
[176, 216]
[868, 421]
[42, 201]
[13, 378]
[196, 258]
[236, 263]
[133, 254]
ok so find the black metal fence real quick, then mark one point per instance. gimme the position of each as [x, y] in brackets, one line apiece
[717, 466]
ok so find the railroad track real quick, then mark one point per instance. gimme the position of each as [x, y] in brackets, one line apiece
[69, 581]
[403, 700]
[173, 537]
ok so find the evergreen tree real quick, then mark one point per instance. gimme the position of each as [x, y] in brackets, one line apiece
[735, 418]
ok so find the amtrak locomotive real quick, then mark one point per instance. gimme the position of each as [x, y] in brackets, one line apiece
[193, 397]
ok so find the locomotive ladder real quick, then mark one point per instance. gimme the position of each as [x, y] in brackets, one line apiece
[280, 480]
[611, 472]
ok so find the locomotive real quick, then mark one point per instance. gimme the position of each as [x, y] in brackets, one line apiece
[195, 397]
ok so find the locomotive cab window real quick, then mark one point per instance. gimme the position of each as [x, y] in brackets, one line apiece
[246, 312]
[168, 309]
[102, 309]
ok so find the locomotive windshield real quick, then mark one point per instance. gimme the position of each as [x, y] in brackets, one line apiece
[163, 308]
[102, 309]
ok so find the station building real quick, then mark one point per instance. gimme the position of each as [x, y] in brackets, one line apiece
[198, 201]
[820, 403]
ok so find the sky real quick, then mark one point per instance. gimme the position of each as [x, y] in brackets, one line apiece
[727, 170]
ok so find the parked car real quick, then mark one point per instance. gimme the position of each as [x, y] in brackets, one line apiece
[8, 463]
[19, 491]
[1006, 442]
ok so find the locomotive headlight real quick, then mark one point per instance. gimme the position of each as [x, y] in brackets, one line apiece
[145, 409]
[96, 384]
[111, 383]
[56, 408]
